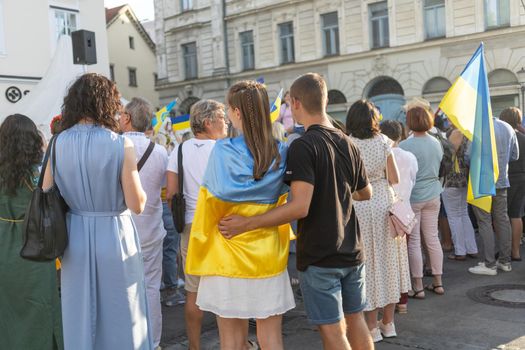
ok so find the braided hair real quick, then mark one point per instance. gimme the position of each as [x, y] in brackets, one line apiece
[251, 98]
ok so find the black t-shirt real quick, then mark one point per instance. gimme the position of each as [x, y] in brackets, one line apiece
[517, 167]
[329, 235]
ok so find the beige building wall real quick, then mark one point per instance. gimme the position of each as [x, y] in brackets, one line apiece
[122, 57]
[421, 67]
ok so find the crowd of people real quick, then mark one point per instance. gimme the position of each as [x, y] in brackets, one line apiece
[246, 183]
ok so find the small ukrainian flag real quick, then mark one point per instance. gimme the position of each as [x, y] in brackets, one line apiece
[276, 107]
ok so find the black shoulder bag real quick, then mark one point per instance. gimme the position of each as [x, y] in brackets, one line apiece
[44, 229]
[145, 156]
[178, 202]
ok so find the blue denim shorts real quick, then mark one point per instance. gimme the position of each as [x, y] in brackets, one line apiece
[330, 293]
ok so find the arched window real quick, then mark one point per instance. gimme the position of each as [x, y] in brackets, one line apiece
[436, 85]
[336, 97]
[384, 86]
[502, 77]
[185, 106]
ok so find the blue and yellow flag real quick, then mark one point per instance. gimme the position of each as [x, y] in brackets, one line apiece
[181, 122]
[161, 115]
[276, 107]
[229, 188]
[467, 105]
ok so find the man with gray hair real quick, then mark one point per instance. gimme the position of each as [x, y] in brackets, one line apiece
[208, 124]
[134, 121]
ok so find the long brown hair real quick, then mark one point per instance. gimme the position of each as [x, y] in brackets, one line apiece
[251, 98]
[20, 152]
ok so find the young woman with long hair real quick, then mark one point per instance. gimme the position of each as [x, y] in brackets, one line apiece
[243, 276]
[29, 305]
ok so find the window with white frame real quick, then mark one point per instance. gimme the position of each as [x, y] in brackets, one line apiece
[435, 22]
[497, 13]
[286, 42]
[189, 53]
[379, 24]
[330, 33]
[65, 21]
[247, 50]
[185, 5]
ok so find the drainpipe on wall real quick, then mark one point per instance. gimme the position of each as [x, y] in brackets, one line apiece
[226, 51]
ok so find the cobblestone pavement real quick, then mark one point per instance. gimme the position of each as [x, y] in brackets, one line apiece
[452, 321]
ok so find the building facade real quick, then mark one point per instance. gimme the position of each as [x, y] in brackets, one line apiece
[29, 32]
[132, 62]
[387, 51]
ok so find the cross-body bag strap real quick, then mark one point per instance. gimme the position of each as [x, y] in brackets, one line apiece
[46, 159]
[145, 156]
[386, 173]
[180, 169]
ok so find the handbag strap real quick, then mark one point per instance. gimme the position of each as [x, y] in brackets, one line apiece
[180, 168]
[145, 156]
[46, 159]
[386, 172]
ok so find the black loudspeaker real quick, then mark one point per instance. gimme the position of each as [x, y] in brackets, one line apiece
[84, 47]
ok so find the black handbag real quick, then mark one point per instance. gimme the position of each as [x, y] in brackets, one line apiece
[44, 229]
[178, 202]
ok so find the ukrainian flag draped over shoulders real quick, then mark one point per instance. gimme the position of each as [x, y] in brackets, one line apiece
[467, 105]
[229, 188]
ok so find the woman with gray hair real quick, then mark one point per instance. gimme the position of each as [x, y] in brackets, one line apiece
[134, 121]
[208, 124]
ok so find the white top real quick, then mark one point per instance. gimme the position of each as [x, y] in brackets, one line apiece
[149, 224]
[195, 155]
[407, 166]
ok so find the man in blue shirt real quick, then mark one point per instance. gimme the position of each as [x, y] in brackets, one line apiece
[507, 148]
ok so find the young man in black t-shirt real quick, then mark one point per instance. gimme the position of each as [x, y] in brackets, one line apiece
[325, 172]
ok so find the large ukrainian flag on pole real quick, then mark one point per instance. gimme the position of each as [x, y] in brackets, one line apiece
[229, 188]
[467, 105]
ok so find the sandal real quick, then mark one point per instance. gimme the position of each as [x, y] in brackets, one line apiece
[457, 257]
[417, 294]
[431, 287]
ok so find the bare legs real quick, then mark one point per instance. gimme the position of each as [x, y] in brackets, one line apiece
[517, 229]
[350, 333]
[193, 316]
[233, 333]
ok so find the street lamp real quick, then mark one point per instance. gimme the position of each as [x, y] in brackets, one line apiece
[521, 80]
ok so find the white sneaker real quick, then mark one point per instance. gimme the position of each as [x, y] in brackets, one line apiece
[376, 335]
[387, 330]
[482, 269]
[507, 267]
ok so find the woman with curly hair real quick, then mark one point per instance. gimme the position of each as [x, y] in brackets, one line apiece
[103, 293]
[29, 302]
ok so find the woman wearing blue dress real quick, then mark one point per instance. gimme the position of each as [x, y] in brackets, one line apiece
[103, 293]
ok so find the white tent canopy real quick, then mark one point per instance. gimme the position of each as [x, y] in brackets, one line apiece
[46, 98]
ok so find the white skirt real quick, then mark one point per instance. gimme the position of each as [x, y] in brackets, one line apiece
[246, 297]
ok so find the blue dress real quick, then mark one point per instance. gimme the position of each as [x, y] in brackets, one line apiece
[103, 293]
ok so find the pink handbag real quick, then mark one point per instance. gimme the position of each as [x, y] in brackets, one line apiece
[401, 217]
